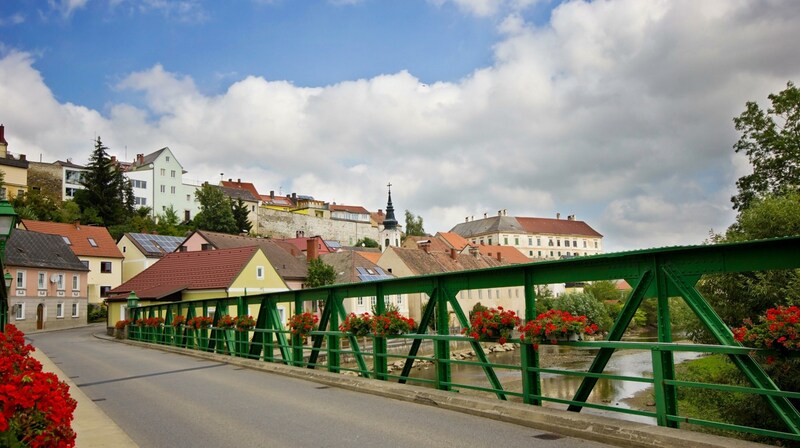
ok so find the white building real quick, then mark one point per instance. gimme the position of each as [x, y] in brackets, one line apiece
[157, 180]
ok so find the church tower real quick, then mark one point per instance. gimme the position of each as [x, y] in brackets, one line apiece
[390, 233]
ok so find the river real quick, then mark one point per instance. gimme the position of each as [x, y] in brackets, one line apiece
[634, 363]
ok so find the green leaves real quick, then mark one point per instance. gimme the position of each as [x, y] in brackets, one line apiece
[771, 141]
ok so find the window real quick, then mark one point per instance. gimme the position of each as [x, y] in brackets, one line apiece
[489, 293]
[260, 272]
[21, 279]
[166, 158]
[92, 242]
[551, 253]
[558, 243]
[42, 283]
[490, 241]
[530, 253]
[172, 173]
[540, 253]
[163, 171]
[66, 240]
[20, 311]
[559, 253]
[172, 190]
[399, 299]
[188, 197]
[360, 301]
[60, 282]
[516, 241]
[568, 254]
[105, 267]
[480, 294]
[595, 244]
[374, 301]
[76, 283]
[538, 241]
[205, 246]
[70, 192]
[584, 243]
[139, 201]
[566, 243]
[530, 241]
[481, 241]
[60, 310]
[505, 240]
[104, 291]
[139, 183]
[75, 310]
[550, 243]
[85, 264]
[2, 192]
[163, 188]
[574, 243]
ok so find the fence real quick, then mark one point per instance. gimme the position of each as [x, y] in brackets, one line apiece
[654, 273]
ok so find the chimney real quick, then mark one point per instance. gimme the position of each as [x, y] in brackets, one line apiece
[558, 215]
[485, 215]
[311, 249]
[3, 135]
[239, 181]
[299, 234]
[466, 219]
[499, 256]
[425, 245]
[453, 253]
[294, 197]
[473, 250]
[77, 224]
[272, 194]
[499, 213]
[140, 159]
[22, 157]
[571, 218]
[230, 180]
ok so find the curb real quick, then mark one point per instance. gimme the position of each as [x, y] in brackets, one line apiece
[584, 426]
[91, 425]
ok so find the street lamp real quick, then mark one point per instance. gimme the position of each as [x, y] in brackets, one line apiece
[8, 219]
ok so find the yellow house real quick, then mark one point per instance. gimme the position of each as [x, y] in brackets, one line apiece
[94, 246]
[15, 170]
[187, 276]
[142, 250]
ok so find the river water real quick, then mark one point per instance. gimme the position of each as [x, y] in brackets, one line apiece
[609, 392]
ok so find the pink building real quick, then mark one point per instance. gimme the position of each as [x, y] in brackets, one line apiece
[49, 283]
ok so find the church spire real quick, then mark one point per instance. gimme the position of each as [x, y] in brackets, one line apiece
[390, 222]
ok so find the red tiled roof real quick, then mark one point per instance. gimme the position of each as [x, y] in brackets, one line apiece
[371, 256]
[557, 226]
[508, 254]
[302, 244]
[277, 200]
[210, 269]
[241, 186]
[357, 209]
[78, 235]
[454, 240]
[417, 242]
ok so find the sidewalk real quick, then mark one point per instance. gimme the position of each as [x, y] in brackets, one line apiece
[93, 427]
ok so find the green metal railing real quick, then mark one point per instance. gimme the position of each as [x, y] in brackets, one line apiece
[655, 273]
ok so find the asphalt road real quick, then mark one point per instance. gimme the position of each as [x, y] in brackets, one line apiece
[169, 400]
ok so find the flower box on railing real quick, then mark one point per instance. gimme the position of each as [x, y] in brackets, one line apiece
[556, 326]
[492, 325]
[391, 323]
[778, 329]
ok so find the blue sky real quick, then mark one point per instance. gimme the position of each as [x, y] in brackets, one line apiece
[617, 111]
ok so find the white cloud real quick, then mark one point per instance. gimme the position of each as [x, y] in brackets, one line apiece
[619, 112]
[13, 19]
[67, 7]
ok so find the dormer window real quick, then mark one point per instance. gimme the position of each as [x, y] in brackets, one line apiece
[92, 242]
[66, 240]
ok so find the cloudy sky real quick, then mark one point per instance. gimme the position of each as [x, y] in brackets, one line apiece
[619, 112]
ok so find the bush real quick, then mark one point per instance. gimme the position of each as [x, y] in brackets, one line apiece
[732, 407]
[97, 312]
[582, 304]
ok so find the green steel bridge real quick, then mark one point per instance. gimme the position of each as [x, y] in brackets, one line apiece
[655, 273]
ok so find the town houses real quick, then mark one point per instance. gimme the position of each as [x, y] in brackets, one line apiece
[63, 270]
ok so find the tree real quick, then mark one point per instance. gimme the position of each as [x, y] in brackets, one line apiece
[414, 225]
[104, 197]
[367, 242]
[771, 141]
[320, 274]
[169, 223]
[240, 213]
[215, 211]
[736, 297]
[603, 290]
